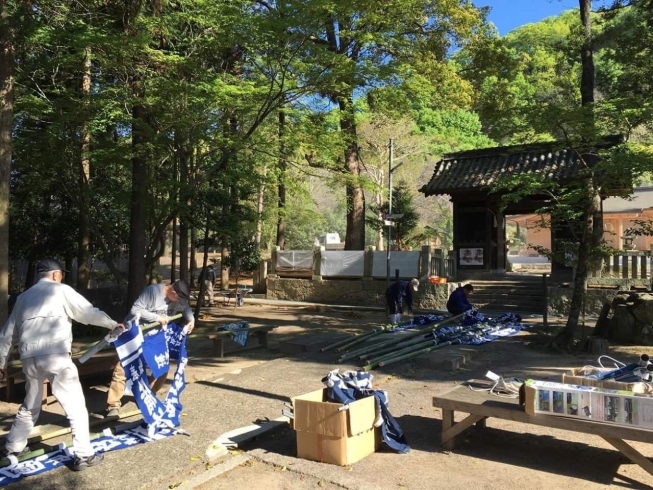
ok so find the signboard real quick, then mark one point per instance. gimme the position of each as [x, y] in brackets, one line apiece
[471, 256]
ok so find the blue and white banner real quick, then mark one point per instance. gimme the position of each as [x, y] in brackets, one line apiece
[241, 332]
[62, 456]
[154, 351]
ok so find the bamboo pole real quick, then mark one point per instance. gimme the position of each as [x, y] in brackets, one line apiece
[342, 342]
[405, 350]
[85, 347]
[388, 349]
[424, 331]
[4, 462]
[360, 338]
[66, 430]
[145, 327]
[418, 352]
[363, 350]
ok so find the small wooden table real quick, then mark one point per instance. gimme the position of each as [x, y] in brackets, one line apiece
[481, 405]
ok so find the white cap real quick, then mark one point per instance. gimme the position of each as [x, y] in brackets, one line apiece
[415, 284]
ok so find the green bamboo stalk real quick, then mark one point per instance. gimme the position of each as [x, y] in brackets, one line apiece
[351, 355]
[418, 352]
[353, 338]
[403, 338]
[143, 328]
[385, 350]
[360, 338]
[404, 350]
[4, 462]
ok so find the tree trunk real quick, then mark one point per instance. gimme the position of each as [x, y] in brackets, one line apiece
[85, 180]
[355, 235]
[260, 203]
[586, 54]
[183, 218]
[224, 270]
[593, 207]
[281, 183]
[173, 260]
[6, 126]
[193, 260]
[205, 263]
[183, 250]
[138, 203]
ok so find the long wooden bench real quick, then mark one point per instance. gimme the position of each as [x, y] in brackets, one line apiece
[220, 338]
[102, 362]
[481, 406]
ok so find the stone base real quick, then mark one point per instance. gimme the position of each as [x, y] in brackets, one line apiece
[632, 320]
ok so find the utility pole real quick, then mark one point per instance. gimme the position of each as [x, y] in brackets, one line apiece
[390, 218]
[389, 244]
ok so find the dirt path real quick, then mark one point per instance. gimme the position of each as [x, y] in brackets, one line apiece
[224, 394]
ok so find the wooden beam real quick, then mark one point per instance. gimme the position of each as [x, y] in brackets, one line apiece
[447, 423]
[457, 428]
[632, 454]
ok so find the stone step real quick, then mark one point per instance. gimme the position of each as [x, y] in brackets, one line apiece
[485, 295]
[507, 286]
[511, 307]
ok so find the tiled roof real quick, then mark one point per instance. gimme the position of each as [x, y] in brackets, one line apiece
[642, 198]
[480, 169]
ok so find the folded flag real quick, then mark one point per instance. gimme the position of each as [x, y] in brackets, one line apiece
[242, 332]
[154, 350]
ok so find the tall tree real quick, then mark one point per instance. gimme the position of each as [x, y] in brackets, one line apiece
[357, 46]
[7, 53]
[590, 220]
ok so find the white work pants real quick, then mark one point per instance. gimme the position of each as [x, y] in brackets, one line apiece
[62, 374]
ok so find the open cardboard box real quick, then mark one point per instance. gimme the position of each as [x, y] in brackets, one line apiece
[327, 435]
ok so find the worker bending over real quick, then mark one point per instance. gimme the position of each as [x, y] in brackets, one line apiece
[155, 304]
[458, 302]
[399, 294]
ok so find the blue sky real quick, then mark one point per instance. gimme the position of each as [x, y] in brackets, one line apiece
[506, 15]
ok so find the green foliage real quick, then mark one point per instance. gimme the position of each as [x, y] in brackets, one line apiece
[402, 203]
[244, 255]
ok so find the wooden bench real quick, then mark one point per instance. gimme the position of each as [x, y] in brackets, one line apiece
[101, 362]
[219, 338]
[481, 406]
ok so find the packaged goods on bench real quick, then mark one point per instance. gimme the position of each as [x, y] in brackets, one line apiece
[617, 407]
[635, 377]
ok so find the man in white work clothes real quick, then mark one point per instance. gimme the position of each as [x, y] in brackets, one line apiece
[155, 304]
[40, 324]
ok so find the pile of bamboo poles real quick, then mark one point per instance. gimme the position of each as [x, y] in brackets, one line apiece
[398, 348]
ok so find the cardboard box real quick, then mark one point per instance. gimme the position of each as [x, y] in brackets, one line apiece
[579, 377]
[327, 435]
[589, 403]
